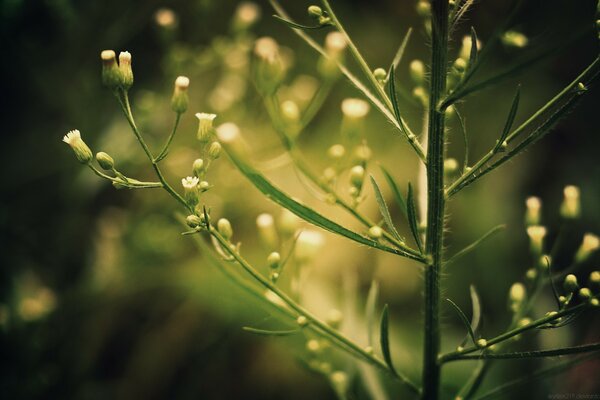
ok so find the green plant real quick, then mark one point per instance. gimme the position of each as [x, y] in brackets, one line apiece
[424, 208]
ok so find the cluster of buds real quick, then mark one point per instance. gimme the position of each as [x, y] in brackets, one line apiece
[335, 44]
[116, 75]
[572, 287]
[319, 15]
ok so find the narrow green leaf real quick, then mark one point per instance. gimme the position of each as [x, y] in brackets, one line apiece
[295, 25]
[476, 243]
[412, 217]
[400, 52]
[265, 332]
[476, 305]
[370, 310]
[392, 90]
[464, 320]
[463, 128]
[474, 49]
[383, 209]
[587, 348]
[509, 120]
[385, 339]
[306, 213]
[396, 190]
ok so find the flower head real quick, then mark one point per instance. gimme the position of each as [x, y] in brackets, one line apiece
[82, 151]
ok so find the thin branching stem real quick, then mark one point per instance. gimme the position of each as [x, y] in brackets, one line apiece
[163, 152]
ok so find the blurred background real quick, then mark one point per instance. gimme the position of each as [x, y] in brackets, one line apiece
[100, 295]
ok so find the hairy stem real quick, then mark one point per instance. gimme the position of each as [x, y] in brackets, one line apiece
[435, 201]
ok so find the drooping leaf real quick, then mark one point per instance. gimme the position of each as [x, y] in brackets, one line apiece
[384, 339]
[306, 213]
[464, 320]
[412, 217]
[396, 190]
[265, 332]
[383, 209]
[509, 120]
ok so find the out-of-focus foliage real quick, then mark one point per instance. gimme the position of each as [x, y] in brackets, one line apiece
[101, 297]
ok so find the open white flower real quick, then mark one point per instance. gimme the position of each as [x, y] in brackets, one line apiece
[190, 182]
[205, 126]
[82, 151]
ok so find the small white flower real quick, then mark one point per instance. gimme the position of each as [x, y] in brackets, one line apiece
[81, 150]
[190, 182]
[205, 126]
[182, 82]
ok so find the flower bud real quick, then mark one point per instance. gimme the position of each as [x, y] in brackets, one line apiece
[214, 151]
[420, 94]
[111, 76]
[355, 109]
[165, 18]
[423, 8]
[290, 112]
[533, 213]
[335, 44]
[179, 101]
[270, 70]
[313, 346]
[82, 151]
[594, 302]
[190, 189]
[531, 274]
[315, 11]
[334, 318]
[514, 39]
[339, 381]
[450, 166]
[266, 231]
[375, 232]
[288, 223]
[229, 135]
[205, 127]
[357, 176]
[536, 237]
[417, 71]
[125, 70]
[570, 283]
[302, 321]
[336, 152]
[460, 65]
[193, 221]
[362, 153]
[105, 161]
[198, 167]
[594, 280]
[225, 229]
[380, 75]
[308, 245]
[517, 296]
[465, 50]
[246, 15]
[570, 207]
[481, 343]
[203, 186]
[585, 294]
[274, 259]
[589, 244]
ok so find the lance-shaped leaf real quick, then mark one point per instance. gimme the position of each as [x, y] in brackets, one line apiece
[383, 209]
[265, 332]
[400, 52]
[509, 120]
[384, 339]
[370, 310]
[464, 320]
[395, 190]
[412, 217]
[474, 48]
[304, 212]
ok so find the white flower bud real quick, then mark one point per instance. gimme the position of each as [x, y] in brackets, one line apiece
[423, 8]
[290, 111]
[589, 244]
[193, 221]
[517, 296]
[570, 283]
[198, 167]
[214, 151]
[533, 213]
[362, 153]
[334, 318]
[339, 381]
[179, 101]
[420, 94]
[105, 161]
[313, 346]
[585, 294]
[481, 343]
[111, 76]
[417, 71]
[536, 237]
[125, 69]
[225, 229]
[465, 51]
[335, 43]
[302, 321]
[450, 166]
[229, 135]
[270, 70]
[274, 260]
[246, 15]
[375, 232]
[308, 245]
[266, 230]
[165, 18]
[357, 176]
[336, 152]
[570, 207]
[594, 279]
[288, 223]
[380, 75]
[315, 11]
[205, 127]
[82, 151]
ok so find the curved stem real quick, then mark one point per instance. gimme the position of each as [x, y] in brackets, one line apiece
[163, 152]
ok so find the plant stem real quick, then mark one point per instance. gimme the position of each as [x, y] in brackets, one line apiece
[163, 152]
[124, 101]
[436, 199]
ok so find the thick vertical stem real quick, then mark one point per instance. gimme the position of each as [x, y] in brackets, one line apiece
[435, 201]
